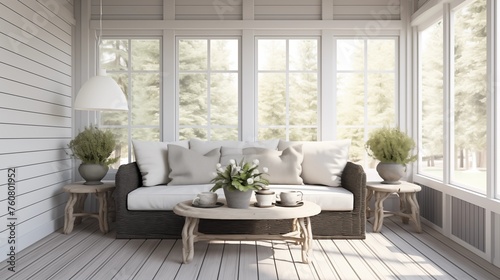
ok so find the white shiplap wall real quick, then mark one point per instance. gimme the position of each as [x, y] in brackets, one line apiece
[35, 114]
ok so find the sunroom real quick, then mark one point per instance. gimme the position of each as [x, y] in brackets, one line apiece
[249, 70]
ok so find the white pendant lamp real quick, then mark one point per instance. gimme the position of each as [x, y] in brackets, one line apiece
[101, 93]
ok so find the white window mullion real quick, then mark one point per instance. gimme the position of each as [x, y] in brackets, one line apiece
[209, 90]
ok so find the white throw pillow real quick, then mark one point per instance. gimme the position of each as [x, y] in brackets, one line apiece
[323, 162]
[152, 159]
[284, 167]
[188, 167]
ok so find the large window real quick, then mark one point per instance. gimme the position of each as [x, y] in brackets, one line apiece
[431, 111]
[366, 79]
[469, 97]
[208, 88]
[288, 88]
[135, 65]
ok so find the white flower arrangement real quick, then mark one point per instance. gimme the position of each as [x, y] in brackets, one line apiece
[242, 177]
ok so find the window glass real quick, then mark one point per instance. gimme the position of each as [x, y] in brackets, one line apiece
[431, 96]
[288, 88]
[469, 97]
[366, 90]
[208, 88]
[140, 81]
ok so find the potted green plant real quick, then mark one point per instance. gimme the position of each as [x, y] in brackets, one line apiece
[93, 147]
[238, 180]
[394, 149]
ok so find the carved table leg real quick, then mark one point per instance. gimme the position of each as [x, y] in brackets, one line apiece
[369, 195]
[69, 219]
[79, 206]
[404, 207]
[103, 211]
[306, 235]
[379, 210]
[190, 225]
[415, 210]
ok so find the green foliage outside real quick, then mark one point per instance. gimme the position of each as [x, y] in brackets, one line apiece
[208, 89]
[390, 145]
[366, 90]
[288, 103]
[135, 66]
[94, 146]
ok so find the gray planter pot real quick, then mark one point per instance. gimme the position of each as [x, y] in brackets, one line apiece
[237, 199]
[391, 172]
[92, 173]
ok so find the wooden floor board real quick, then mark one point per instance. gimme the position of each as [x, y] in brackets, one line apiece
[211, 263]
[397, 252]
[436, 257]
[248, 261]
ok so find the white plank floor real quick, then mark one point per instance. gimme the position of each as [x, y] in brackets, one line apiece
[395, 253]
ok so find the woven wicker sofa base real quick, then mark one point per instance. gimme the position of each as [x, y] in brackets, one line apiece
[166, 224]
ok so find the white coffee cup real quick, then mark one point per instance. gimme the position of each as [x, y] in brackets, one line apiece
[290, 198]
[205, 199]
[264, 200]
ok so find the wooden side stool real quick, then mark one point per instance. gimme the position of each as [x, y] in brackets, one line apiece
[74, 207]
[408, 204]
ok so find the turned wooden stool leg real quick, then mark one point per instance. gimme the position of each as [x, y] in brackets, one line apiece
[69, 218]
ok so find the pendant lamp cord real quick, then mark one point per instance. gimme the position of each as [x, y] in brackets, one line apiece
[98, 37]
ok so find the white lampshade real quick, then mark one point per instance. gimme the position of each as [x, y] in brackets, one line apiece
[101, 93]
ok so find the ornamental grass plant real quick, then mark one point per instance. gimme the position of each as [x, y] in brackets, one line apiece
[390, 145]
[94, 146]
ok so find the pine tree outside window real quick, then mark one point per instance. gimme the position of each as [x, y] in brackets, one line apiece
[366, 75]
[208, 88]
[288, 88]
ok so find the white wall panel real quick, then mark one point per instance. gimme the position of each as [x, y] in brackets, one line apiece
[288, 10]
[128, 9]
[34, 54]
[367, 9]
[33, 27]
[35, 114]
[209, 10]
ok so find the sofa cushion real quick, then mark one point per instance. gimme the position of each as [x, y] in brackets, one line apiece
[323, 161]
[164, 198]
[189, 167]
[284, 167]
[204, 147]
[152, 159]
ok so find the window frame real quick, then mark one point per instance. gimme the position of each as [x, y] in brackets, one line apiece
[208, 71]
[397, 89]
[287, 72]
[130, 126]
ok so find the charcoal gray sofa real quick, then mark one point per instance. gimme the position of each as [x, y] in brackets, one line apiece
[166, 224]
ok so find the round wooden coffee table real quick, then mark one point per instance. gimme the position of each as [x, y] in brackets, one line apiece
[301, 233]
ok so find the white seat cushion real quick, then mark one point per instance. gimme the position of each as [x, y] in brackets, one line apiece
[162, 197]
